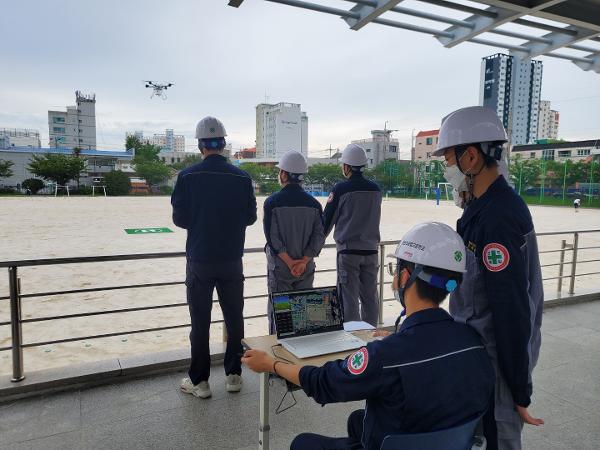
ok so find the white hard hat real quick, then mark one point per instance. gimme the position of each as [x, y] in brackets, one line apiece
[293, 162]
[210, 127]
[354, 155]
[471, 125]
[433, 244]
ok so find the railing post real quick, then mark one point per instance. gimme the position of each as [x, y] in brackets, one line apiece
[381, 280]
[15, 323]
[574, 263]
[560, 267]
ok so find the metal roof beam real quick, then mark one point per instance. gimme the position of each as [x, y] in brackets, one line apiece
[592, 63]
[486, 23]
[367, 13]
[558, 41]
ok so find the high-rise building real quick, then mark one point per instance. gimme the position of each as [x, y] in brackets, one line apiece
[280, 127]
[16, 137]
[549, 119]
[75, 127]
[512, 87]
[380, 147]
[168, 142]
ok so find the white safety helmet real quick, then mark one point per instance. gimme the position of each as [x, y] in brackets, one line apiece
[210, 128]
[471, 125]
[354, 155]
[293, 162]
[433, 244]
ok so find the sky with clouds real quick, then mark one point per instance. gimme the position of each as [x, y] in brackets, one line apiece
[224, 61]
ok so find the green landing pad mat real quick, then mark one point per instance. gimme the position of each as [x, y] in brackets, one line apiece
[147, 230]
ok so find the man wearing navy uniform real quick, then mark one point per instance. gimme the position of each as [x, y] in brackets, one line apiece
[214, 201]
[501, 295]
[431, 374]
[293, 225]
[354, 207]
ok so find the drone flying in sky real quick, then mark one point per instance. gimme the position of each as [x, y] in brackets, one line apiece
[158, 89]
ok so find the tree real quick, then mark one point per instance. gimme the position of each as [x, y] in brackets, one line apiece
[143, 151]
[391, 174]
[33, 184]
[57, 168]
[117, 183]
[188, 161]
[154, 172]
[525, 173]
[325, 174]
[5, 170]
[265, 177]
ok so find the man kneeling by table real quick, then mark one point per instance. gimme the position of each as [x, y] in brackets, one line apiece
[431, 374]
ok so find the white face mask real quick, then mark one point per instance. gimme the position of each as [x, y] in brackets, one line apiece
[455, 177]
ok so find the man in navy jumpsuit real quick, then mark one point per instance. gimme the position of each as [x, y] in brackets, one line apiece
[501, 295]
[293, 226]
[432, 374]
[354, 207]
[214, 201]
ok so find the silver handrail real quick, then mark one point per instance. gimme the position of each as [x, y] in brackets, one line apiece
[15, 295]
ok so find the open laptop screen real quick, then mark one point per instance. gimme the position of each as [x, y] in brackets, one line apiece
[307, 312]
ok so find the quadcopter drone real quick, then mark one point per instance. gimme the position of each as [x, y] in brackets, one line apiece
[158, 89]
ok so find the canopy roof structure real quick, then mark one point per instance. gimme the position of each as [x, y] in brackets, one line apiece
[549, 25]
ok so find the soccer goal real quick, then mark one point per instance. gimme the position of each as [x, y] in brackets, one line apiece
[56, 187]
[94, 187]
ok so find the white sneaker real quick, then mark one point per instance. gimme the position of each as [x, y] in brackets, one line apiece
[234, 383]
[201, 389]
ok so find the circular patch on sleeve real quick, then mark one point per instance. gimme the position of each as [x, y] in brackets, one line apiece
[495, 257]
[357, 362]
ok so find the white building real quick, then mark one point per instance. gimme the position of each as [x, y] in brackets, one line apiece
[75, 127]
[279, 128]
[512, 87]
[16, 137]
[380, 147]
[168, 142]
[548, 123]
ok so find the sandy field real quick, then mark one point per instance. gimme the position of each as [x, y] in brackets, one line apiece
[37, 227]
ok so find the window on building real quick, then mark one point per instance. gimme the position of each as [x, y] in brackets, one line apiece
[58, 129]
[583, 152]
[368, 150]
[393, 149]
[80, 140]
[429, 141]
[428, 155]
[172, 160]
[58, 119]
[532, 155]
[548, 154]
[163, 159]
[178, 159]
[564, 153]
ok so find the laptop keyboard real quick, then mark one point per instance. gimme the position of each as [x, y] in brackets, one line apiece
[321, 344]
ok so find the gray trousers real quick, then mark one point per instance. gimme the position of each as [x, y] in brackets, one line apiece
[357, 287]
[279, 279]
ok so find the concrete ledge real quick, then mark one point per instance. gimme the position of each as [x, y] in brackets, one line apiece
[582, 296]
[97, 373]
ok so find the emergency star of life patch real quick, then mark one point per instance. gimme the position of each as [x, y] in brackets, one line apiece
[495, 257]
[357, 362]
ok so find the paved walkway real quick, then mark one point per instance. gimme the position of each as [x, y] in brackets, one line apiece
[151, 413]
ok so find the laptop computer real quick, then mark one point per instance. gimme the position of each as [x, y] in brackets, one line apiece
[311, 323]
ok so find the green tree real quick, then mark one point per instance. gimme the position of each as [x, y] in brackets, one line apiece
[58, 168]
[188, 161]
[264, 177]
[392, 174]
[117, 183]
[326, 174]
[525, 173]
[154, 172]
[33, 184]
[143, 151]
[5, 170]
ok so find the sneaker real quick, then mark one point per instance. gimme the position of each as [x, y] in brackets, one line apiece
[201, 389]
[234, 383]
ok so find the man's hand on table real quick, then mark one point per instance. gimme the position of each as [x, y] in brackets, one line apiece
[258, 361]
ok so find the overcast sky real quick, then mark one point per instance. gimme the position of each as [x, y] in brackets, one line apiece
[224, 61]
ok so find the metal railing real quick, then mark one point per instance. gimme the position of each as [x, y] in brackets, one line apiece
[15, 295]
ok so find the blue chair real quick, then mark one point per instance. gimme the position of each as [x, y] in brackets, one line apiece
[461, 437]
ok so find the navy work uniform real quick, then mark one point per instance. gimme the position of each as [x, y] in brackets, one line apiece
[293, 224]
[354, 207]
[502, 296]
[215, 202]
[433, 374]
